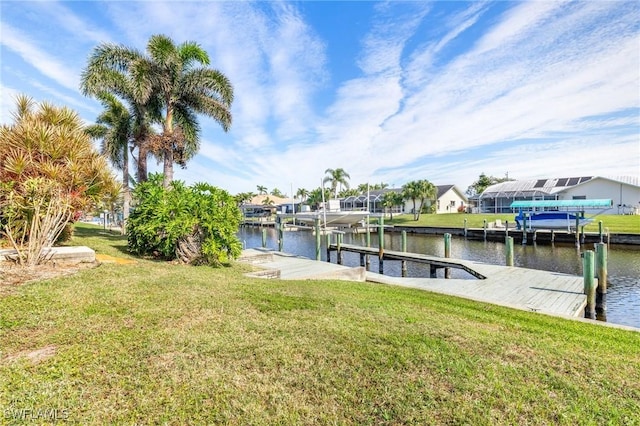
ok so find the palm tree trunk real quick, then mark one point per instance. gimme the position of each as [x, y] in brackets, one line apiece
[142, 163]
[126, 196]
[168, 167]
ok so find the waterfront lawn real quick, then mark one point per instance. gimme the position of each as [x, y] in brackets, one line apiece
[156, 343]
[618, 224]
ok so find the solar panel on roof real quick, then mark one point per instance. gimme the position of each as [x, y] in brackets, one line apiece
[585, 178]
[573, 181]
[540, 183]
[562, 182]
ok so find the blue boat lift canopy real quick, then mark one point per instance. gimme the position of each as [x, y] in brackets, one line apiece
[570, 204]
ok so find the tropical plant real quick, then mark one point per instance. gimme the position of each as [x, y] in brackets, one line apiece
[267, 201]
[392, 199]
[483, 182]
[196, 224]
[176, 78]
[115, 128]
[421, 190]
[302, 194]
[316, 197]
[111, 70]
[49, 173]
[338, 178]
[262, 190]
[277, 193]
[244, 197]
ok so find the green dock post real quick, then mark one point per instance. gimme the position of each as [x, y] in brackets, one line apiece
[589, 287]
[447, 253]
[509, 251]
[328, 239]
[264, 238]
[484, 227]
[279, 232]
[601, 231]
[367, 258]
[601, 273]
[316, 226]
[465, 227]
[381, 245]
[404, 250]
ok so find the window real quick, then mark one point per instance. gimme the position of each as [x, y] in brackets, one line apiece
[579, 197]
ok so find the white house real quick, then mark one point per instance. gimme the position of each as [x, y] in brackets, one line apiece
[624, 191]
[449, 200]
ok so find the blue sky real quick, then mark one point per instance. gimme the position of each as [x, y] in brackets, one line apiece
[389, 91]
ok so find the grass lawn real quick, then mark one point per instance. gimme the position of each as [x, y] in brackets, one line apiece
[618, 224]
[155, 343]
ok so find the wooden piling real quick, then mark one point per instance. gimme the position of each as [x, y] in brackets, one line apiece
[279, 230]
[465, 227]
[601, 273]
[328, 238]
[589, 287]
[381, 245]
[339, 246]
[484, 228]
[506, 230]
[264, 238]
[367, 258]
[447, 253]
[404, 250]
[524, 230]
[316, 225]
[509, 250]
[577, 231]
[601, 231]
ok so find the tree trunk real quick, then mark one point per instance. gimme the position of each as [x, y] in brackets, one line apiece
[142, 163]
[126, 196]
[168, 167]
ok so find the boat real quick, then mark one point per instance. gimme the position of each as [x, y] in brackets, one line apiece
[551, 220]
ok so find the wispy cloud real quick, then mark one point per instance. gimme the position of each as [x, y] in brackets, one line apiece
[20, 43]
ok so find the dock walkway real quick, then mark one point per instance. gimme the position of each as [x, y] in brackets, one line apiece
[527, 289]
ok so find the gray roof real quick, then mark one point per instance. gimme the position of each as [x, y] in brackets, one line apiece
[539, 187]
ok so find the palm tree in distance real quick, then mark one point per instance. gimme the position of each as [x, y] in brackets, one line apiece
[338, 178]
[114, 127]
[422, 190]
[302, 194]
[262, 190]
[172, 80]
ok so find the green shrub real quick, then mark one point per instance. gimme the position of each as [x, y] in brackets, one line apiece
[196, 224]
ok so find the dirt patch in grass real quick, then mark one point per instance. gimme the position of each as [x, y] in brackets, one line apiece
[35, 356]
[12, 276]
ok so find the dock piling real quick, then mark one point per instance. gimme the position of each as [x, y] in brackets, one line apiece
[279, 229]
[404, 250]
[328, 238]
[447, 253]
[264, 238]
[484, 228]
[601, 273]
[381, 245]
[509, 250]
[524, 230]
[465, 227]
[339, 245]
[589, 287]
[316, 225]
[600, 231]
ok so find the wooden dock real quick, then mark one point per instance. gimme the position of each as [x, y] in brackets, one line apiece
[529, 289]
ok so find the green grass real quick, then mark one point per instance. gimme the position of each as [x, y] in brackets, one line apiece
[155, 343]
[617, 224]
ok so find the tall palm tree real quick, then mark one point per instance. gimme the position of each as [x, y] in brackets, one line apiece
[302, 194]
[338, 178]
[110, 69]
[173, 84]
[178, 74]
[262, 190]
[422, 190]
[115, 128]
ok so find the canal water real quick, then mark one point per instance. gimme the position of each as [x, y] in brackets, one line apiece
[623, 293]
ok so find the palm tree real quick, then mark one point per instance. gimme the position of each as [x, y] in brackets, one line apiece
[302, 194]
[110, 70]
[392, 199]
[422, 190]
[178, 74]
[262, 190]
[338, 178]
[115, 128]
[277, 193]
[171, 77]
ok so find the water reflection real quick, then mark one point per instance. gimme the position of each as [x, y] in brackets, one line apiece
[623, 297]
